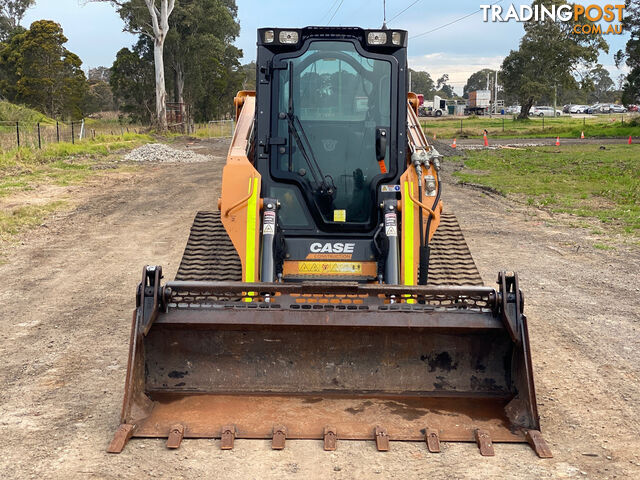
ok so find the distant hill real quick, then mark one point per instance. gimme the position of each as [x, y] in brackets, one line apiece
[18, 113]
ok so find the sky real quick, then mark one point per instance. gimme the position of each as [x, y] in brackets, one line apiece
[95, 31]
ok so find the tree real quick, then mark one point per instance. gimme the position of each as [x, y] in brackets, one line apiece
[421, 82]
[11, 14]
[548, 56]
[152, 21]
[99, 74]
[99, 95]
[41, 72]
[478, 81]
[443, 88]
[599, 84]
[249, 79]
[631, 54]
[132, 80]
[199, 48]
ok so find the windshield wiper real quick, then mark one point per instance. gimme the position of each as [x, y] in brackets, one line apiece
[324, 183]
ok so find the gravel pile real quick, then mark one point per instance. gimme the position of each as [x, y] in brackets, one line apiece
[445, 149]
[158, 152]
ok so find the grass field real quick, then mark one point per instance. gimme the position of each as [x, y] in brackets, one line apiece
[60, 164]
[581, 180]
[507, 127]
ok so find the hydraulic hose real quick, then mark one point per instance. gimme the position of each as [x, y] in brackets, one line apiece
[425, 250]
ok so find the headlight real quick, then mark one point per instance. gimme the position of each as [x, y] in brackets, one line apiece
[288, 36]
[396, 38]
[269, 36]
[377, 38]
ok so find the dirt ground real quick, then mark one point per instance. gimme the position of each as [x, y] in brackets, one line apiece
[65, 309]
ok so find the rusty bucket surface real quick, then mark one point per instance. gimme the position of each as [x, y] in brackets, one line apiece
[348, 361]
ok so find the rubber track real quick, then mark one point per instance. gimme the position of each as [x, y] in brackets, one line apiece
[210, 255]
[451, 262]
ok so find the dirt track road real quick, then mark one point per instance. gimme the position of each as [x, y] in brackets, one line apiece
[68, 290]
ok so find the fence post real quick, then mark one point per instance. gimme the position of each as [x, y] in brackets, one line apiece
[502, 124]
[57, 131]
[18, 133]
[73, 134]
[543, 122]
[39, 138]
[584, 121]
[460, 126]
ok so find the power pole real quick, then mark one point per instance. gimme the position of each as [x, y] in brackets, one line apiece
[496, 93]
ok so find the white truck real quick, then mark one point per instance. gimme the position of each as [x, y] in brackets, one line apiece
[434, 108]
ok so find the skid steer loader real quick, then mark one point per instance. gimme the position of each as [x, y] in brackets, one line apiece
[331, 297]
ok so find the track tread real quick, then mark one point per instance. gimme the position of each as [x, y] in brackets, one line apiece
[209, 254]
[451, 262]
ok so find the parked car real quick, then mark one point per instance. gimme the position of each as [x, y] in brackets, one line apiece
[567, 108]
[599, 108]
[544, 111]
[633, 108]
[617, 109]
[513, 109]
[578, 109]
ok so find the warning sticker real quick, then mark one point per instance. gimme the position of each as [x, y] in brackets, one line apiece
[390, 225]
[269, 223]
[389, 188]
[269, 229]
[339, 215]
[319, 268]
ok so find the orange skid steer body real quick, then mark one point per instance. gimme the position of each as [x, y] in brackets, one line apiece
[331, 297]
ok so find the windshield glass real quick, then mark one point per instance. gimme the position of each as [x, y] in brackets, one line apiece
[338, 100]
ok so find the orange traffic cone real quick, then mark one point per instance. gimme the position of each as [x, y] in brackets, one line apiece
[630, 140]
[486, 140]
[453, 145]
[557, 141]
[582, 135]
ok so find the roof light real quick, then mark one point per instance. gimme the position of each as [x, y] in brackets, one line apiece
[269, 36]
[288, 36]
[396, 38]
[377, 38]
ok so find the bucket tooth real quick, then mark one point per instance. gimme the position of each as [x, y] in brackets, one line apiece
[176, 434]
[534, 437]
[433, 440]
[279, 437]
[330, 438]
[484, 443]
[227, 437]
[382, 439]
[121, 437]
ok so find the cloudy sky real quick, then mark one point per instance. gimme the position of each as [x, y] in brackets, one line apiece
[441, 40]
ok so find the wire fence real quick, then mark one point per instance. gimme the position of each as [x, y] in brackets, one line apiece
[39, 135]
[510, 125]
[220, 128]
